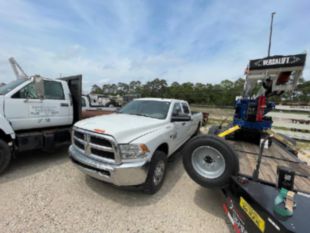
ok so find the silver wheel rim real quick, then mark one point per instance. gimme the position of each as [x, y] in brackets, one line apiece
[159, 172]
[208, 162]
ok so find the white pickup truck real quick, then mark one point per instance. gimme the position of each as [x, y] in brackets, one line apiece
[37, 113]
[131, 147]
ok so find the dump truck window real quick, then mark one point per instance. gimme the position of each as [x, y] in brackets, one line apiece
[27, 92]
[53, 90]
[10, 86]
[83, 102]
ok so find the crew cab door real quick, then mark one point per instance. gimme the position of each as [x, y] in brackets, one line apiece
[179, 129]
[57, 106]
[22, 108]
[189, 126]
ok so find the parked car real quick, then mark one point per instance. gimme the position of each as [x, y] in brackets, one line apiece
[90, 110]
[131, 147]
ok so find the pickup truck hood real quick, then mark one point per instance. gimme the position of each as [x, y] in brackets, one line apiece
[123, 127]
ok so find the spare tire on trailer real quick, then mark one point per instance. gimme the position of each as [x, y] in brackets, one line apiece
[210, 161]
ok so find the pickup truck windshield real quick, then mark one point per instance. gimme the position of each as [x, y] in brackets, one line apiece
[147, 108]
[10, 86]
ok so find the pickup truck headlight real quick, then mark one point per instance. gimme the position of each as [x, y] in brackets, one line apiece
[133, 151]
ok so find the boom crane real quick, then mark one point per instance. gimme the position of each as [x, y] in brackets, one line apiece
[18, 71]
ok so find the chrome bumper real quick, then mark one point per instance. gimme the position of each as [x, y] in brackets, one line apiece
[126, 174]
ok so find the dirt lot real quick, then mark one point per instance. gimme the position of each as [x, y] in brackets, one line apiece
[46, 193]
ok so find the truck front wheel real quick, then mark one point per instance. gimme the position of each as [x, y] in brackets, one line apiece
[157, 173]
[5, 156]
[210, 161]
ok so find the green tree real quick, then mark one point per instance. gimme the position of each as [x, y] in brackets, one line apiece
[155, 88]
[96, 89]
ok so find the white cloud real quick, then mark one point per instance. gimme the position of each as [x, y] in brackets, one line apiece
[120, 41]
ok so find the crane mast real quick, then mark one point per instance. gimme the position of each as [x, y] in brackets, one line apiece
[18, 71]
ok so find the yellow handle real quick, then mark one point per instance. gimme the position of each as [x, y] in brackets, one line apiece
[229, 131]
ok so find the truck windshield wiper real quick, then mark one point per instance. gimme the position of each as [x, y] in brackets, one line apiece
[140, 114]
[136, 114]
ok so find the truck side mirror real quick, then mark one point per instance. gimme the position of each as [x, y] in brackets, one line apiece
[39, 86]
[181, 117]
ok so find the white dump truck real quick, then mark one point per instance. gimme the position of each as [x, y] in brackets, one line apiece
[131, 147]
[37, 113]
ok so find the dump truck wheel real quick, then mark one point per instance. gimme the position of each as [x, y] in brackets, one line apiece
[5, 156]
[210, 161]
[157, 173]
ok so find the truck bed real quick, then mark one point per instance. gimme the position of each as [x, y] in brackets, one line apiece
[274, 156]
[93, 113]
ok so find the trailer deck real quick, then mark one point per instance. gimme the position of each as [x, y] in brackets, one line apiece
[276, 155]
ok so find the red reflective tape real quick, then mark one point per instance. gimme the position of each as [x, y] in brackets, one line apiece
[236, 228]
[225, 208]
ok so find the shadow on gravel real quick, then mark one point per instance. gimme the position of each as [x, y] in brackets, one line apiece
[211, 201]
[134, 196]
[31, 162]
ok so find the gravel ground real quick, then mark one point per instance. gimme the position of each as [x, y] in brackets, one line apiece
[45, 193]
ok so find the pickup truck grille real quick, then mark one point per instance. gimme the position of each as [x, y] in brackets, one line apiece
[95, 145]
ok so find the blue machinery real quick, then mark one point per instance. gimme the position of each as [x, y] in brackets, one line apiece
[275, 75]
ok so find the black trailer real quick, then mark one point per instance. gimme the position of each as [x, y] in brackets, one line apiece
[265, 190]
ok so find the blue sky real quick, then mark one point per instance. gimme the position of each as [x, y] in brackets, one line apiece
[120, 41]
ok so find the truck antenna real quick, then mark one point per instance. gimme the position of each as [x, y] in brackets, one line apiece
[270, 35]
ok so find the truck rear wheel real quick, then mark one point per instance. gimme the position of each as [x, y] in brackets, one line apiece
[157, 173]
[210, 161]
[5, 155]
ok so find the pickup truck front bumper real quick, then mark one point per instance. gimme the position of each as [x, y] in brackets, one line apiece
[124, 174]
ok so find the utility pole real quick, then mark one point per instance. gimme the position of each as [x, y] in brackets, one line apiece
[270, 35]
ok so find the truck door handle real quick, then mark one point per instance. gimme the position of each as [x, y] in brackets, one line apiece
[64, 105]
[183, 123]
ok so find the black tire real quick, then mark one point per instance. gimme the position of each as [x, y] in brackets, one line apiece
[230, 158]
[5, 156]
[150, 186]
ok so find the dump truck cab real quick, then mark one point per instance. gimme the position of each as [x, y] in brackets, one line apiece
[37, 113]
